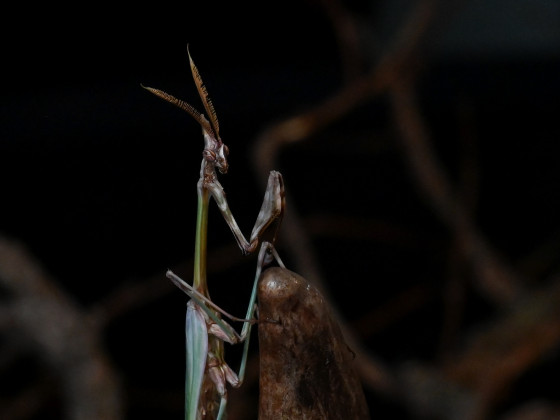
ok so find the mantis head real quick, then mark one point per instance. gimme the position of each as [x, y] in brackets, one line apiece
[215, 151]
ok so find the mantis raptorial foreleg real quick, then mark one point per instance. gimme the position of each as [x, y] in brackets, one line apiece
[271, 210]
[207, 371]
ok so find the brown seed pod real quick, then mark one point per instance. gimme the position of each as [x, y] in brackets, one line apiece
[306, 368]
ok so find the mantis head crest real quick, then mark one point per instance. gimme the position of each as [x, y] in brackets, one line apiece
[215, 151]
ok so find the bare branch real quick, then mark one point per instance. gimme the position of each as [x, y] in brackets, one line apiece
[62, 334]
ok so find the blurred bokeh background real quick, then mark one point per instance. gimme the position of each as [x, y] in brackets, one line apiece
[419, 146]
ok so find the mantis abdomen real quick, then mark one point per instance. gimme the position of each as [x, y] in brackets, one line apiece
[306, 368]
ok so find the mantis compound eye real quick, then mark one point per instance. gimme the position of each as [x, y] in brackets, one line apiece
[226, 150]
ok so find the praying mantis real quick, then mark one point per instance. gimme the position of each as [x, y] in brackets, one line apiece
[207, 373]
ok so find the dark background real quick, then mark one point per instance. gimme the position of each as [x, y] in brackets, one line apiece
[99, 180]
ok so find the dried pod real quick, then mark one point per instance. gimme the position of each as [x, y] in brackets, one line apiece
[306, 368]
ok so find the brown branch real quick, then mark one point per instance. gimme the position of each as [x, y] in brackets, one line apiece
[473, 383]
[500, 354]
[62, 335]
[455, 288]
[350, 96]
[534, 410]
[495, 278]
[347, 35]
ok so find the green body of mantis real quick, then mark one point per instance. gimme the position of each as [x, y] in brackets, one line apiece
[207, 373]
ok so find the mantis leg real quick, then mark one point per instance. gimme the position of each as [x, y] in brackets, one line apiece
[227, 332]
[223, 330]
[222, 410]
[267, 249]
[271, 210]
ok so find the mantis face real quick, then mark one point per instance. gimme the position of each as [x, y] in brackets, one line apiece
[215, 152]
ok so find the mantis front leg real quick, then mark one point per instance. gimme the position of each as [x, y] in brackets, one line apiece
[271, 210]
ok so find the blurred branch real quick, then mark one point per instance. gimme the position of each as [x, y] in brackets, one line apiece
[534, 410]
[473, 383]
[494, 277]
[351, 95]
[455, 288]
[347, 34]
[62, 335]
[506, 349]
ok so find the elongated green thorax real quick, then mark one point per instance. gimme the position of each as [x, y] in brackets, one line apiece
[199, 282]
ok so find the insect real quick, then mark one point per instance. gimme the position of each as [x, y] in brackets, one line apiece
[207, 373]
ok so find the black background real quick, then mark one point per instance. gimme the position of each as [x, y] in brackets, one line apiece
[99, 177]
